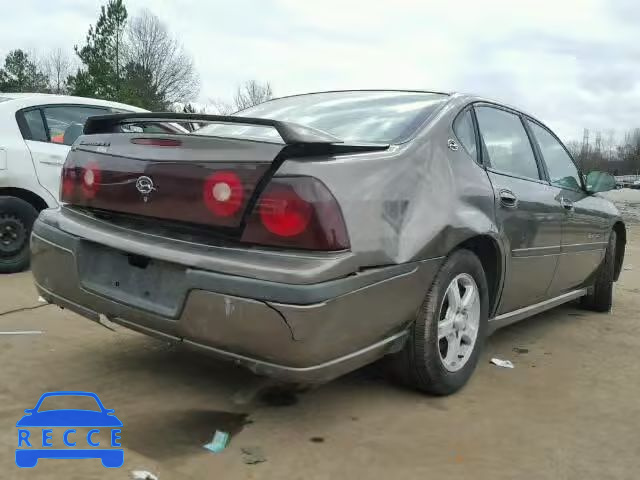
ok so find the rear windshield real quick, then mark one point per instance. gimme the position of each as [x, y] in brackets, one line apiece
[357, 116]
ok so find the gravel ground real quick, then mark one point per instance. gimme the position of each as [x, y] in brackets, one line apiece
[628, 202]
[568, 410]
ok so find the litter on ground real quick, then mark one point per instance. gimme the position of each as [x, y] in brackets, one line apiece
[142, 475]
[218, 443]
[502, 363]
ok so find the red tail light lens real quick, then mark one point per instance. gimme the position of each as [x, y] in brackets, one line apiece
[223, 193]
[297, 212]
[283, 212]
[68, 186]
[79, 182]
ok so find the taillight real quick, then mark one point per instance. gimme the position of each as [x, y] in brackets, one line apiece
[68, 185]
[79, 182]
[297, 212]
[223, 193]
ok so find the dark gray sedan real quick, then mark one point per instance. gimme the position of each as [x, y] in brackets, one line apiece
[313, 234]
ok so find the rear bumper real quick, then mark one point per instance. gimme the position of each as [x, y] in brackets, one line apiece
[300, 333]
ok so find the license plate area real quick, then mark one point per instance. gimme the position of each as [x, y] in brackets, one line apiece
[134, 280]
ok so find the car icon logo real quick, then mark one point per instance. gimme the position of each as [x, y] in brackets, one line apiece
[145, 185]
[36, 433]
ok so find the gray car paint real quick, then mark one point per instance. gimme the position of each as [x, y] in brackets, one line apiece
[410, 205]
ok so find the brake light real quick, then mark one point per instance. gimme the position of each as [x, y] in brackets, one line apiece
[297, 212]
[283, 212]
[68, 186]
[223, 193]
[157, 142]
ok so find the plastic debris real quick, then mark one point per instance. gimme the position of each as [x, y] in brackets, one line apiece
[520, 350]
[502, 363]
[106, 323]
[253, 455]
[23, 332]
[628, 267]
[42, 300]
[218, 443]
[142, 475]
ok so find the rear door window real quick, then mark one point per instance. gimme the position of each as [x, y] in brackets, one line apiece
[66, 122]
[464, 130]
[507, 144]
[563, 172]
[35, 126]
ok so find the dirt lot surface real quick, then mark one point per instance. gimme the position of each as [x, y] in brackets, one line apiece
[568, 410]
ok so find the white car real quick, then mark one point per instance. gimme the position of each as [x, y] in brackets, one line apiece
[36, 132]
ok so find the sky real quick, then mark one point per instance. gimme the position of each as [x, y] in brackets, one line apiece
[572, 64]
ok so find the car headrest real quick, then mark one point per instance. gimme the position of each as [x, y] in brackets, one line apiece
[71, 133]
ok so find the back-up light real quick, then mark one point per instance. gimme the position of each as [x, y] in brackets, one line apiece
[90, 179]
[223, 193]
[297, 212]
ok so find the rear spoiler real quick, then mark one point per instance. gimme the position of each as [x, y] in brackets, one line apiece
[299, 139]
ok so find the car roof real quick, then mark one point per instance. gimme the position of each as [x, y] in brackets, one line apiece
[453, 96]
[471, 98]
[27, 99]
[399, 90]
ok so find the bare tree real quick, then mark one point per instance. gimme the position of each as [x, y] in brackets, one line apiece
[58, 66]
[220, 107]
[252, 93]
[247, 95]
[151, 48]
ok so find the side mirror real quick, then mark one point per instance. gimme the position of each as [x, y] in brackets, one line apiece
[29, 410]
[600, 182]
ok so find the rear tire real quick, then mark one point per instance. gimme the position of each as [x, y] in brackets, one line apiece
[425, 362]
[600, 296]
[16, 222]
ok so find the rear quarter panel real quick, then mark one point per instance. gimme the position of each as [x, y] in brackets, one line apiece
[416, 201]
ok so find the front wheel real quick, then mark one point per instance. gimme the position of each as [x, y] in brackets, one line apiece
[447, 337]
[16, 222]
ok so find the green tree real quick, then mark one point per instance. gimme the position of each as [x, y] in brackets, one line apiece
[22, 74]
[137, 89]
[102, 72]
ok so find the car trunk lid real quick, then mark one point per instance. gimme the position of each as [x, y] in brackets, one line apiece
[123, 165]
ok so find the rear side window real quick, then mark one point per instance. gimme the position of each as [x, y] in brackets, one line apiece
[562, 171]
[66, 122]
[507, 143]
[463, 128]
[35, 126]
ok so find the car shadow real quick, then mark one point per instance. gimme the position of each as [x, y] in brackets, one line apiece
[171, 400]
[539, 326]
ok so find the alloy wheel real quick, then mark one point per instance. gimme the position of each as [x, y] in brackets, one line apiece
[459, 321]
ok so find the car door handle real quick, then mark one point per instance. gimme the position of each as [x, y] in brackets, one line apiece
[566, 204]
[508, 199]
